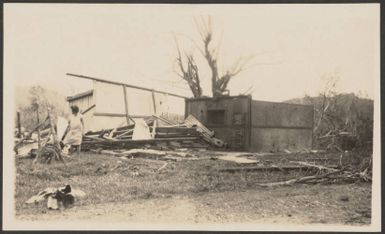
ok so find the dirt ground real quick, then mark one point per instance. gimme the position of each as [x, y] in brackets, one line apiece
[186, 192]
[298, 205]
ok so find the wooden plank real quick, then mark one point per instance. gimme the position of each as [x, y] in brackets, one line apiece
[125, 133]
[191, 120]
[88, 109]
[206, 133]
[281, 127]
[164, 120]
[119, 115]
[120, 144]
[156, 140]
[238, 159]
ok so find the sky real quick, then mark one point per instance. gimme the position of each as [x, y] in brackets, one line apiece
[295, 47]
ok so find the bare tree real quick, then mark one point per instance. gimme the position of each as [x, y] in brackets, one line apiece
[189, 72]
[219, 82]
[322, 110]
[188, 69]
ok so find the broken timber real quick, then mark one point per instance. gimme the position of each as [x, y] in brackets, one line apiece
[126, 144]
[270, 168]
[126, 85]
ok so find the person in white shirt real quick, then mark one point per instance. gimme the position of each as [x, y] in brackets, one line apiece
[75, 130]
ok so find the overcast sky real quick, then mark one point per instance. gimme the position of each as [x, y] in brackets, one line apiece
[294, 46]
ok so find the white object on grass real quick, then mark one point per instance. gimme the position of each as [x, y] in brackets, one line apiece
[141, 130]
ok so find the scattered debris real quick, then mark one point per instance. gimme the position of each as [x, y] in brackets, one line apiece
[319, 167]
[287, 151]
[237, 158]
[299, 180]
[332, 174]
[58, 197]
[149, 133]
[207, 135]
[343, 198]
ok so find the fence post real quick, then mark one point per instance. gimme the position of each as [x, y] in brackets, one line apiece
[18, 125]
[38, 130]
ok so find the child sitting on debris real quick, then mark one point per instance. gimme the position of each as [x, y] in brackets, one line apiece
[74, 134]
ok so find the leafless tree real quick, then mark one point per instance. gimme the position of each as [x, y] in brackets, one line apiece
[322, 110]
[219, 82]
[189, 71]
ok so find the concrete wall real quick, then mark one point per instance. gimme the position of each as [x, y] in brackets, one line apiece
[279, 126]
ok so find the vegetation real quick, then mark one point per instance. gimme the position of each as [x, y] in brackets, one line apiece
[35, 104]
[341, 113]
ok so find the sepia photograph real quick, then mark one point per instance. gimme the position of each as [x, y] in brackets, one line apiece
[247, 117]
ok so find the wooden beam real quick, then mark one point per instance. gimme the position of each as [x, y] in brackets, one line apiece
[124, 144]
[88, 109]
[119, 83]
[282, 127]
[120, 115]
[126, 104]
[153, 101]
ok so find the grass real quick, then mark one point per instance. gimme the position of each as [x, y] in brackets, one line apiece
[110, 179]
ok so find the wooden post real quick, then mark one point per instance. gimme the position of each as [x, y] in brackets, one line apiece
[126, 104]
[18, 125]
[153, 101]
[54, 135]
[38, 130]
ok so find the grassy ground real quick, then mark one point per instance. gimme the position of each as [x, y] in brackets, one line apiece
[108, 179]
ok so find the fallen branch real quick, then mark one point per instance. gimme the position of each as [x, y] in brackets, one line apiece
[299, 180]
[270, 168]
[319, 167]
[162, 167]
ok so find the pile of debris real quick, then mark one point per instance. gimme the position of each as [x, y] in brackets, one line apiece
[47, 147]
[154, 132]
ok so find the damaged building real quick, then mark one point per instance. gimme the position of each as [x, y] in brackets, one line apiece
[247, 124]
[243, 123]
[112, 104]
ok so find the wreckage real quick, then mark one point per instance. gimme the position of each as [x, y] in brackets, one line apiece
[155, 130]
[115, 119]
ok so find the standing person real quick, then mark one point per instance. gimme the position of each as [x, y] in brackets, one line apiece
[74, 130]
